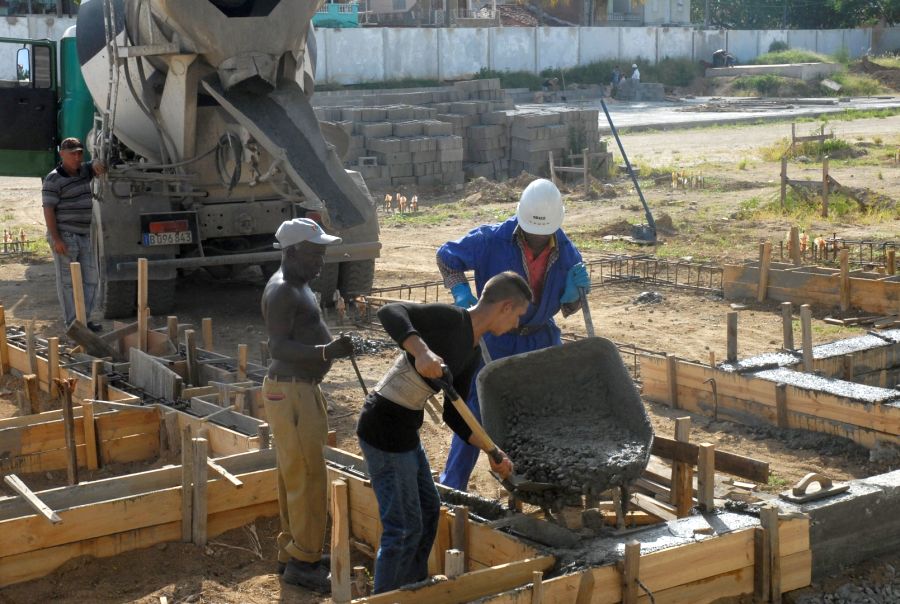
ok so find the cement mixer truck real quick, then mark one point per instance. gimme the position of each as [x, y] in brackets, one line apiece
[201, 110]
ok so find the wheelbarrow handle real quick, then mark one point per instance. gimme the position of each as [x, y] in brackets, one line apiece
[586, 309]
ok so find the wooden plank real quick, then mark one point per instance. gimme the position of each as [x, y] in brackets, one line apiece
[142, 297]
[90, 435]
[53, 366]
[4, 348]
[30, 347]
[207, 331]
[672, 377]
[242, 362]
[781, 405]
[187, 481]
[845, 279]
[729, 463]
[891, 261]
[732, 333]
[765, 259]
[16, 484]
[787, 325]
[231, 478]
[30, 385]
[768, 517]
[806, 329]
[653, 506]
[78, 292]
[199, 517]
[340, 543]
[682, 473]
[172, 330]
[631, 572]
[190, 346]
[761, 579]
[470, 586]
[537, 587]
[69, 425]
[706, 476]
[139, 447]
[795, 245]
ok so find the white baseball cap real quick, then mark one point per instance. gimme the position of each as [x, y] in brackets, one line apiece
[298, 230]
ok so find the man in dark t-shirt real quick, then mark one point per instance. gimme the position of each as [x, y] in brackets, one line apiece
[68, 209]
[433, 337]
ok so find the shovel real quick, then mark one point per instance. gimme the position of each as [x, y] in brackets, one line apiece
[513, 483]
[588, 322]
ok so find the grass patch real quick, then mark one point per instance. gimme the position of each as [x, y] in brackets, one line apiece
[811, 149]
[889, 61]
[511, 79]
[805, 207]
[791, 55]
[855, 85]
[768, 84]
[430, 216]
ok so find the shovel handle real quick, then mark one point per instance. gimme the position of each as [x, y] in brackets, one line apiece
[588, 322]
[474, 425]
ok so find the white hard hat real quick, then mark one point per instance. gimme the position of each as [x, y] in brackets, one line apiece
[634, 66]
[540, 210]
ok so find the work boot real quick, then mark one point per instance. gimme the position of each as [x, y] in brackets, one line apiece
[324, 561]
[311, 575]
[95, 326]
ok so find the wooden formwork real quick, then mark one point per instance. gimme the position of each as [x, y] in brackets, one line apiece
[750, 399]
[869, 291]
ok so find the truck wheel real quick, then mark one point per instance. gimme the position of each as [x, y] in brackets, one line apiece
[326, 283]
[356, 278]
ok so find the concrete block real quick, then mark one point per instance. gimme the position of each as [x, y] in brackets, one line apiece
[424, 156]
[352, 114]
[423, 113]
[855, 526]
[375, 129]
[485, 132]
[450, 155]
[394, 159]
[429, 180]
[436, 128]
[421, 144]
[449, 142]
[403, 181]
[499, 118]
[406, 129]
[399, 113]
[400, 170]
[464, 108]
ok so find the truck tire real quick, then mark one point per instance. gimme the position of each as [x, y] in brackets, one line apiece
[326, 283]
[120, 299]
[356, 278]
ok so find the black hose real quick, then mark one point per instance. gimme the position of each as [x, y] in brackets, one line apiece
[232, 143]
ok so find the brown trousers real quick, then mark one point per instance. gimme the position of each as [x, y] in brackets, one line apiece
[297, 415]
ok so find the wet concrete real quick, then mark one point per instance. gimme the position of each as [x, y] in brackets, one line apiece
[850, 390]
[568, 415]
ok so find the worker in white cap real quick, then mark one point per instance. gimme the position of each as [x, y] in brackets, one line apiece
[532, 244]
[636, 74]
[302, 351]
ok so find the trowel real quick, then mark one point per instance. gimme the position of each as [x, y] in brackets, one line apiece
[801, 492]
[513, 483]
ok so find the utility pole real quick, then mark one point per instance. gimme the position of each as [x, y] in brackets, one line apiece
[706, 14]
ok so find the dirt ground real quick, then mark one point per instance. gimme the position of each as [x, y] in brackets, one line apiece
[707, 225]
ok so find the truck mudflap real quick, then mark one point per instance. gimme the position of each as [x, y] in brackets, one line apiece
[284, 123]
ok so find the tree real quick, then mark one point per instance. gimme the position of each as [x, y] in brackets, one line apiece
[797, 14]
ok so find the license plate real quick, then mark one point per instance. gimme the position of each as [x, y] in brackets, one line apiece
[168, 238]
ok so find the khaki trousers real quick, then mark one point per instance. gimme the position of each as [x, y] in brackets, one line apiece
[297, 415]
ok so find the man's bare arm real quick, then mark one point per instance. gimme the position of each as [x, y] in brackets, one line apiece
[59, 245]
[281, 311]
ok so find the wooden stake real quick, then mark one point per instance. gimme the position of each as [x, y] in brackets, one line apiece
[787, 324]
[262, 432]
[454, 563]
[459, 536]
[761, 579]
[187, 481]
[31, 392]
[96, 372]
[706, 476]
[242, 362]
[631, 572]
[142, 297]
[340, 543]
[712, 358]
[193, 367]
[672, 378]
[806, 329]
[732, 337]
[331, 438]
[360, 582]
[78, 292]
[172, 330]
[22, 402]
[206, 329]
[4, 349]
[849, 370]
[768, 518]
[783, 180]
[765, 260]
[29, 346]
[795, 245]
[234, 480]
[53, 366]
[781, 405]
[16, 484]
[891, 261]
[90, 435]
[537, 587]
[683, 473]
[586, 160]
[845, 279]
[585, 588]
[199, 515]
[103, 387]
[264, 354]
[825, 187]
[65, 389]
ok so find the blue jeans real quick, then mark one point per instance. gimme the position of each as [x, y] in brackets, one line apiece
[409, 507]
[79, 249]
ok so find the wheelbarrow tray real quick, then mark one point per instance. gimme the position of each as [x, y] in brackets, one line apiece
[568, 415]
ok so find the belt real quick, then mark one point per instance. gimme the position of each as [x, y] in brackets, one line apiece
[528, 330]
[292, 378]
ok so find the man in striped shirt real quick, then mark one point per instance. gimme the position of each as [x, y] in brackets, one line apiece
[68, 211]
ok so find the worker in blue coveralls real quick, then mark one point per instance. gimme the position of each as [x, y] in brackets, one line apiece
[532, 244]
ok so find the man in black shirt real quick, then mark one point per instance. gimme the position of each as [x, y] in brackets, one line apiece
[433, 336]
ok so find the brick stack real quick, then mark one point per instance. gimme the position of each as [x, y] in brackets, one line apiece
[535, 133]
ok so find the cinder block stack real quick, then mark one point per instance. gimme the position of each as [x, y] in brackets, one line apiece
[534, 134]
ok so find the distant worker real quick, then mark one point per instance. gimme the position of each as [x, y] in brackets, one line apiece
[532, 244]
[723, 58]
[302, 351]
[68, 212]
[432, 336]
[636, 74]
[550, 85]
[616, 77]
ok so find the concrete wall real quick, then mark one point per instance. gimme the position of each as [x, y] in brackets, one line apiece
[667, 12]
[348, 56]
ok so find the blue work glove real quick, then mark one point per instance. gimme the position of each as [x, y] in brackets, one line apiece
[575, 279]
[462, 295]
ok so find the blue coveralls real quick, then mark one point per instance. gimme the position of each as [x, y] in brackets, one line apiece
[490, 250]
